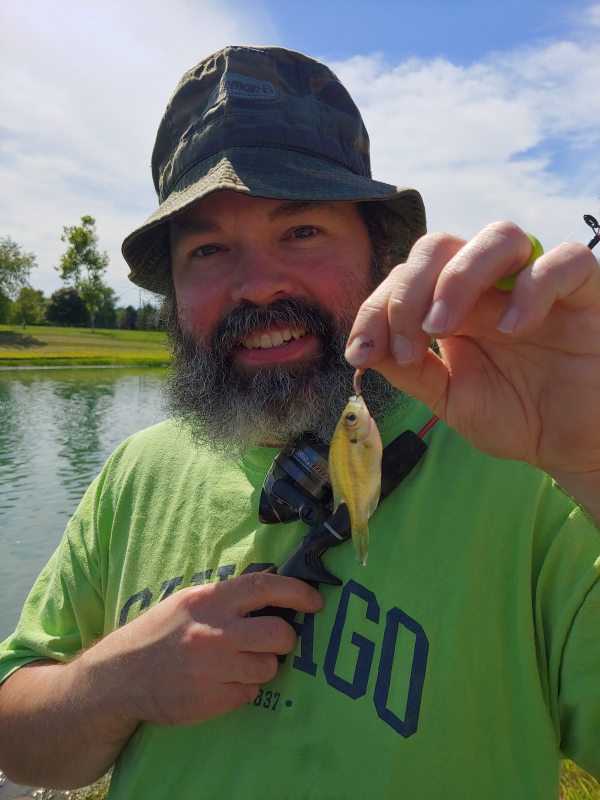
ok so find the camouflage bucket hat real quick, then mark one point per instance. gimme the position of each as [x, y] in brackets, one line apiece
[270, 123]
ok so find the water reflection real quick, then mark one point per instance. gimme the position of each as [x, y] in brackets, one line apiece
[80, 414]
[57, 428]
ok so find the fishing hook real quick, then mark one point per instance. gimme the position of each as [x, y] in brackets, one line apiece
[357, 381]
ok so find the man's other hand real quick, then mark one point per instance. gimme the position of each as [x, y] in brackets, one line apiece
[193, 656]
[196, 654]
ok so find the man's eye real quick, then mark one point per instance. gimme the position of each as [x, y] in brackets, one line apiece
[305, 232]
[206, 250]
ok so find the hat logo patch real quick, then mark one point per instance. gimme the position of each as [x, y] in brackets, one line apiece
[232, 84]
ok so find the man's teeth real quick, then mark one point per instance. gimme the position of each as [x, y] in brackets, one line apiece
[274, 339]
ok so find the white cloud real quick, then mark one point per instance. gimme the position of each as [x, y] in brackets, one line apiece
[480, 142]
[82, 91]
[83, 87]
[593, 15]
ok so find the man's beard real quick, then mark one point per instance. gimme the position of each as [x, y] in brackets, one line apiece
[226, 407]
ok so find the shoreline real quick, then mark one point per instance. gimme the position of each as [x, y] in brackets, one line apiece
[47, 346]
[84, 366]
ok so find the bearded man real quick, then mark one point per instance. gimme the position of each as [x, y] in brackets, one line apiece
[463, 660]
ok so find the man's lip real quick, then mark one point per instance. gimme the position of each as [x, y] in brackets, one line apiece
[295, 348]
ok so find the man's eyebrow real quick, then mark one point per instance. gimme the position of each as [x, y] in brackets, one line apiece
[194, 226]
[293, 207]
[289, 208]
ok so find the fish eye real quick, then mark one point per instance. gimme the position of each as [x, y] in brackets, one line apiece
[351, 418]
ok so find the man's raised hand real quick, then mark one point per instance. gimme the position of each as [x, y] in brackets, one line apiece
[519, 373]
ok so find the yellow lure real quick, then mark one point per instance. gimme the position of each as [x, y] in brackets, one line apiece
[355, 468]
[508, 284]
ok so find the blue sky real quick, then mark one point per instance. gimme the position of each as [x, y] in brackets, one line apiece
[462, 31]
[490, 109]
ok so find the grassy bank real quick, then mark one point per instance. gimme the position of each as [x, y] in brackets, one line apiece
[41, 346]
[575, 784]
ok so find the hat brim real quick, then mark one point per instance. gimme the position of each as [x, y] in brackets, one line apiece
[270, 172]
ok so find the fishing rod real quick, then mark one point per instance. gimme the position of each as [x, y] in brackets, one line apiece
[593, 223]
[595, 226]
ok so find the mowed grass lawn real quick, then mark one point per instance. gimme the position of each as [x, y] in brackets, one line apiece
[41, 345]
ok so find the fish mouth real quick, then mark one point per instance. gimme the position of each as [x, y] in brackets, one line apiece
[277, 337]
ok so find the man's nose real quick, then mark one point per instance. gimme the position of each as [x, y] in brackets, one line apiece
[261, 279]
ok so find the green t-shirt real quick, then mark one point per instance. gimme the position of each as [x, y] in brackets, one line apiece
[461, 662]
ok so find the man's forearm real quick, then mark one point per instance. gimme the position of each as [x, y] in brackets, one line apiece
[63, 725]
[57, 728]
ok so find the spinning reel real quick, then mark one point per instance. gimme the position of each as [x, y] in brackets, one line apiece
[298, 487]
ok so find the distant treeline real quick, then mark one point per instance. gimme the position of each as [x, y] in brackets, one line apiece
[87, 301]
[66, 308]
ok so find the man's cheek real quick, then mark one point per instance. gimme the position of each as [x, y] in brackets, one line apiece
[190, 321]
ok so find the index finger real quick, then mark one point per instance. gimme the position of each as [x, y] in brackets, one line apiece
[395, 310]
[498, 251]
[260, 589]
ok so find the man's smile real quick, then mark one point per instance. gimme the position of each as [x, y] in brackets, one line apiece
[275, 345]
[274, 338]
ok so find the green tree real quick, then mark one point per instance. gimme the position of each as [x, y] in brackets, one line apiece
[66, 308]
[5, 305]
[28, 308]
[146, 318]
[126, 318]
[91, 292]
[15, 266]
[84, 264]
[107, 315]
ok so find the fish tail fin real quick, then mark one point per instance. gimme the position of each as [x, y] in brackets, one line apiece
[374, 501]
[360, 540]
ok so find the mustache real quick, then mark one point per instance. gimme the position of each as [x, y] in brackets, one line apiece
[290, 312]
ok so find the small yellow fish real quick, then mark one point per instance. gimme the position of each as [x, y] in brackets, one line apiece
[355, 467]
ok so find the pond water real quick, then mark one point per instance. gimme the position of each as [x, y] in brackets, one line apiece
[57, 428]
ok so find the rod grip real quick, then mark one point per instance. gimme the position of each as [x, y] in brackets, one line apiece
[399, 458]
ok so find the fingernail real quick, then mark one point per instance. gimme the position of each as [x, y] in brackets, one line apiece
[319, 602]
[509, 321]
[358, 352]
[402, 350]
[436, 319]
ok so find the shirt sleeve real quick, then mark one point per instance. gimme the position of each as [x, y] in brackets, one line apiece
[579, 691]
[567, 611]
[64, 612]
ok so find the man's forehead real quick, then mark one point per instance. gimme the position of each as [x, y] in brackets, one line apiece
[205, 214]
